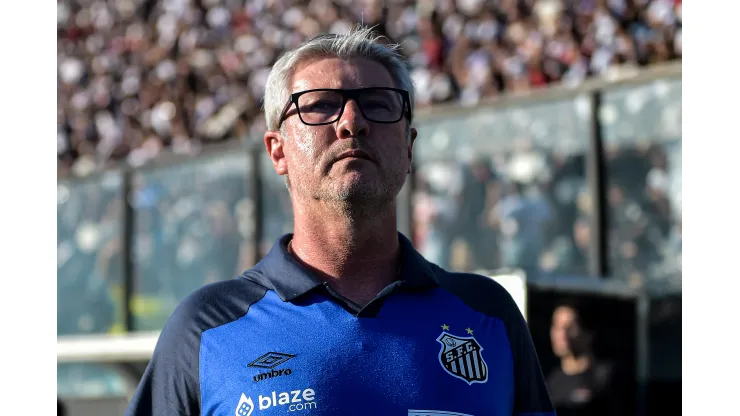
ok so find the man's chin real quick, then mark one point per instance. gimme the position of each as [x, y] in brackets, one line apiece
[358, 192]
[359, 189]
[363, 193]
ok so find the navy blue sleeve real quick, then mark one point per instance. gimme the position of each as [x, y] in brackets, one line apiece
[487, 296]
[532, 397]
[171, 382]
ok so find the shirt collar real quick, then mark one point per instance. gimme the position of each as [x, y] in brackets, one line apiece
[280, 272]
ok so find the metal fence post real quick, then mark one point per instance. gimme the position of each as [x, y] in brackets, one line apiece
[127, 248]
[595, 172]
[253, 153]
[643, 352]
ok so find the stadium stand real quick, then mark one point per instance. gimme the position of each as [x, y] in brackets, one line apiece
[139, 76]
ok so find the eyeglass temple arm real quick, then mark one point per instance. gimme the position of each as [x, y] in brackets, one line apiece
[285, 110]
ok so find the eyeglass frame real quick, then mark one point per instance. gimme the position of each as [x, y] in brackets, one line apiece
[347, 94]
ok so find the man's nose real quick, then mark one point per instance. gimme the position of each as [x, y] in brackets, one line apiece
[352, 123]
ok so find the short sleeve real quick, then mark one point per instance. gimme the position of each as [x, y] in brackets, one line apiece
[170, 384]
[531, 395]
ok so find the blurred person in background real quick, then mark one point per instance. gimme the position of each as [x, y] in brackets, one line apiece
[521, 220]
[582, 385]
[471, 223]
[436, 212]
[339, 111]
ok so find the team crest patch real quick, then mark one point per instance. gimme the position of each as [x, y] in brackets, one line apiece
[462, 357]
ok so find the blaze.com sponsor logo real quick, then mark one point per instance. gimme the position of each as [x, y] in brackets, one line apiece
[294, 400]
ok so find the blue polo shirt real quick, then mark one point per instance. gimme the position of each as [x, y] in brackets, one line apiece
[277, 341]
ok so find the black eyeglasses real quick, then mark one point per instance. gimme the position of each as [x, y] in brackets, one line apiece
[325, 106]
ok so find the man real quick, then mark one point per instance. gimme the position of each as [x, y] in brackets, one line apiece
[344, 317]
[581, 385]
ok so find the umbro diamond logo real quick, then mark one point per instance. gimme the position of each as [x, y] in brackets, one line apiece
[270, 361]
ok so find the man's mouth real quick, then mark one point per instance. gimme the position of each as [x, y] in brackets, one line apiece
[354, 154]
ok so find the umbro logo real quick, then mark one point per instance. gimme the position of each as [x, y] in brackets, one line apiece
[270, 361]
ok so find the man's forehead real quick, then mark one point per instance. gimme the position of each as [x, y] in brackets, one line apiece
[340, 73]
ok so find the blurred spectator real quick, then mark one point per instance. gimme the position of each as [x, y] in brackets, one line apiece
[522, 217]
[136, 77]
[582, 384]
[436, 208]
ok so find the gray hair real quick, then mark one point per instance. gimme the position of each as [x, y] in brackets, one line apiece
[359, 42]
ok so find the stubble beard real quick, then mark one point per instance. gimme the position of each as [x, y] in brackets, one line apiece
[362, 200]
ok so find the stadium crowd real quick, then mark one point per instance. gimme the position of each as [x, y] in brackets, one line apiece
[140, 76]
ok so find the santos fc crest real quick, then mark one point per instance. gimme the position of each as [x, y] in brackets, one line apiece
[462, 357]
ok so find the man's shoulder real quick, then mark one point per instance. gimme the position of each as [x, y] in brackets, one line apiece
[217, 303]
[480, 293]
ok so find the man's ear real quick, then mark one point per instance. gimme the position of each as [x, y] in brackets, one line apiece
[274, 143]
[410, 144]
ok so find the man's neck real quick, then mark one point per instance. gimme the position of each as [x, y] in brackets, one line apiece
[575, 365]
[358, 257]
